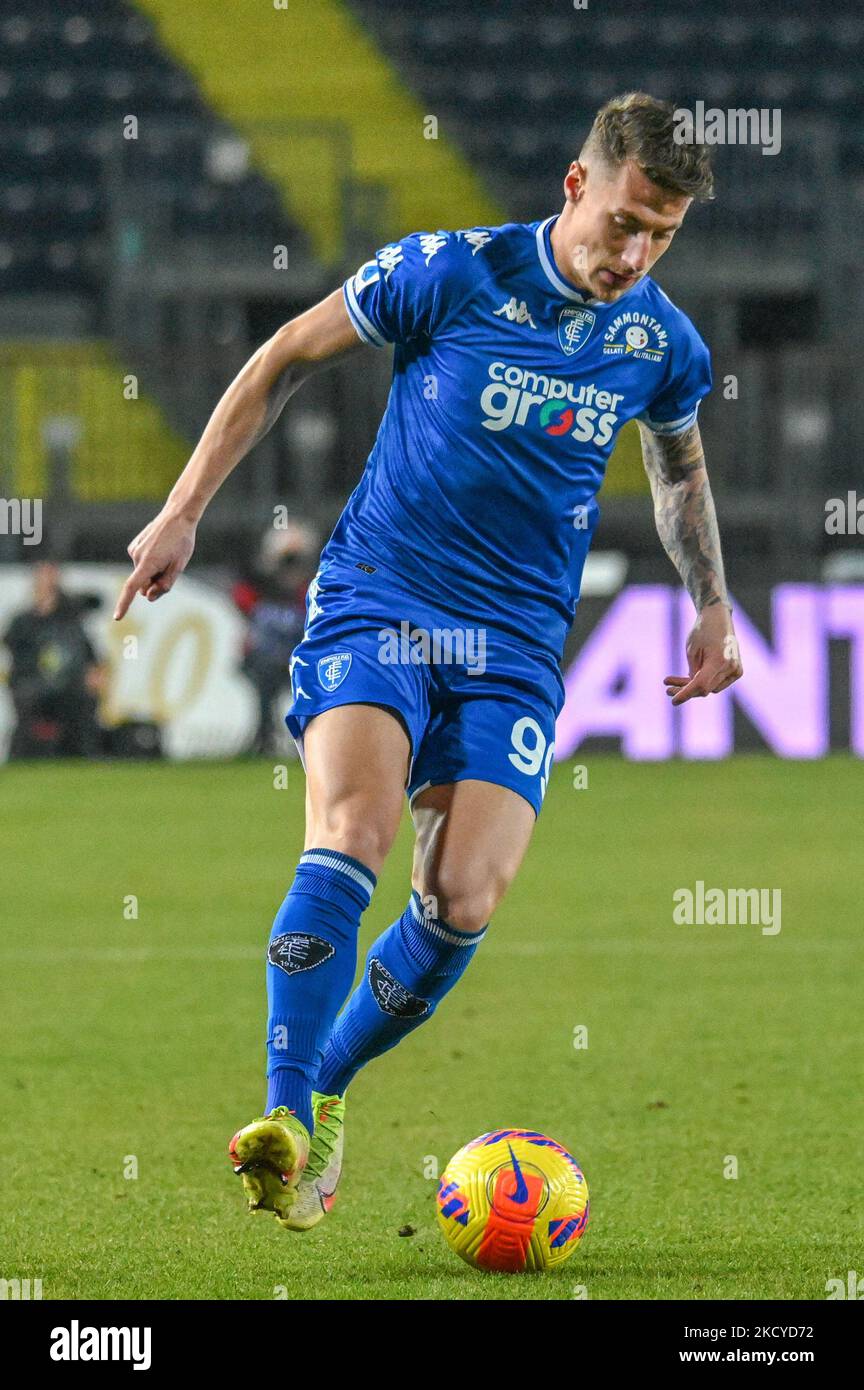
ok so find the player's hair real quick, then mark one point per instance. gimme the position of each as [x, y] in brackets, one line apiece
[638, 127]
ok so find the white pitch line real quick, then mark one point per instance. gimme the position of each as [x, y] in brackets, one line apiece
[132, 955]
[126, 955]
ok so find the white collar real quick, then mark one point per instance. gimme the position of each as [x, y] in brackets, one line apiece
[551, 272]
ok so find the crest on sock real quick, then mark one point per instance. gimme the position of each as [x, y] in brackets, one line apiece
[392, 997]
[298, 950]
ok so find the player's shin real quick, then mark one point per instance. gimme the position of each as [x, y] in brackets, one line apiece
[409, 969]
[311, 960]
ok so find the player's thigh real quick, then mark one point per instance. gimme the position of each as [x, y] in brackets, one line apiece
[471, 839]
[357, 759]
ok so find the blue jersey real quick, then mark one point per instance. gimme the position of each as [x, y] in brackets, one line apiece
[509, 388]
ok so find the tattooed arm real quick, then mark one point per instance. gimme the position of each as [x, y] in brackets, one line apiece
[684, 512]
[687, 526]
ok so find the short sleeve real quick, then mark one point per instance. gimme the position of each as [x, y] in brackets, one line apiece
[408, 289]
[675, 408]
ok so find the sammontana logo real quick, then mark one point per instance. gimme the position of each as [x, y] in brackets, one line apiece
[636, 335]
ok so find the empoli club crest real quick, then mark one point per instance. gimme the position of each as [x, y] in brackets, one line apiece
[574, 328]
[332, 670]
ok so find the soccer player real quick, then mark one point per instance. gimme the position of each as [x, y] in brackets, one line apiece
[436, 622]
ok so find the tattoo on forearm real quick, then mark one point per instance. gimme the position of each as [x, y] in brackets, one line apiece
[684, 512]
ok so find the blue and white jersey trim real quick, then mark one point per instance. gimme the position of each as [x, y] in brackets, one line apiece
[550, 271]
[364, 329]
[671, 426]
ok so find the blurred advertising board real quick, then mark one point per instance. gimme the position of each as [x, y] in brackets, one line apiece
[176, 663]
[173, 662]
[801, 695]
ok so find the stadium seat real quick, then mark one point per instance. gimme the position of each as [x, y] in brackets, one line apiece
[68, 75]
[510, 78]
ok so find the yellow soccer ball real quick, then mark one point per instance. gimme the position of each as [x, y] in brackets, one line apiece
[513, 1200]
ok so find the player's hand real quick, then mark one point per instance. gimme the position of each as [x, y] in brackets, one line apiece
[712, 656]
[159, 554]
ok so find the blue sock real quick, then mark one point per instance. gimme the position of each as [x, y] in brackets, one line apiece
[409, 969]
[311, 960]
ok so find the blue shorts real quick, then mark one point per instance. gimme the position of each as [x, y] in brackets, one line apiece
[476, 702]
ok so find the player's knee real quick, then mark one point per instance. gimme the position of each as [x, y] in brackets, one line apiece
[355, 831]
[472, 912]
[465, 904]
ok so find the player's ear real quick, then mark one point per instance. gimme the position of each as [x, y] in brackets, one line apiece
[574, 181]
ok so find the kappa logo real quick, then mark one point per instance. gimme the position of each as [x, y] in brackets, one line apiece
[391, 997]
[386, 259]
[575, 327]
[313, 607]
[295, 679]
[515, 313]
[477, 237]
[389, 257]
[431, 243]
[332, 670]
[297, 950]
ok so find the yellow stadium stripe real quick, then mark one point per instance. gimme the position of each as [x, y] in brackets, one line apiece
[313, 61]
[125, 449]
[625, 472]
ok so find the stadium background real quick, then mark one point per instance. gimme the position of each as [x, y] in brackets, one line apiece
[176, 184]
[176, 180]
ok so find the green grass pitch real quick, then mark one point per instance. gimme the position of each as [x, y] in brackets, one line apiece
[142, 1040]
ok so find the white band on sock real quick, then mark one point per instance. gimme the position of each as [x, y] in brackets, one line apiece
[436, 927]
[335, 861]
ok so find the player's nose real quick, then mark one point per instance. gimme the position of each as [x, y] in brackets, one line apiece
[637, 253]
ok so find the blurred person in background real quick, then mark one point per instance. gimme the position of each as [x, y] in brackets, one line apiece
[55, 677]
[273, 599]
